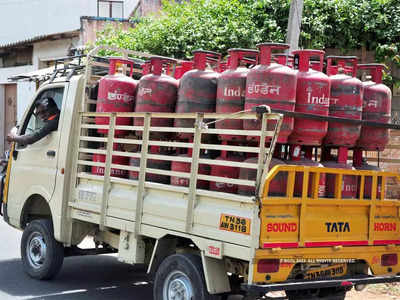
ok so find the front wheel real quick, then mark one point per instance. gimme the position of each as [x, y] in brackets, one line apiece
[181, 277]
[42, 256]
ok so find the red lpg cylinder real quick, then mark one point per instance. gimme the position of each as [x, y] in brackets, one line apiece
[304, 158]
[377, 103]
[277, 186]
[298, 186]
[185, 167]
[360, 164]
[317, 65]
[118, 160]
[146, 68]
[152, 164]
[284, 59]
[312, 97]
[345, 101]
[231, 92]
[223, 66]
[197, 90]
[226, 172]
[156, 92]
[184, 66]
[349, 182]
[368, 181]
[116, 94]
[273, 85]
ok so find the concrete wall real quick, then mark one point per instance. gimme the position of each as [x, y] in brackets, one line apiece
[363, 55]
[90, 27]
[149, 7]
[47, 50]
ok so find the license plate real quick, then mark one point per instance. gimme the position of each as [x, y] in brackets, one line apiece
[327, 272]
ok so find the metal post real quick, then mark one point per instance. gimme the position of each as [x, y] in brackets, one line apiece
[294, 24]
[193, 173]
[264, 162]
[107, 172]
[142, 172]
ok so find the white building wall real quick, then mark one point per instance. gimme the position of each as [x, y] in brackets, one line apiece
[25, 90]
[25, 19]
[7, 72]
[2, 100]
[129, 6]
[42, 51]
[25, 93]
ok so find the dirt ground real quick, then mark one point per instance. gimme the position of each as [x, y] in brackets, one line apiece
[387, 291]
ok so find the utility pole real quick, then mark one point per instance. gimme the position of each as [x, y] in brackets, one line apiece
[294, 24]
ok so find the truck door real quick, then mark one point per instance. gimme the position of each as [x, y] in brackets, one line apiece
[34, 166]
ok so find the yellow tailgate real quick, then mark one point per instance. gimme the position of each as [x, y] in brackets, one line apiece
[310, 221]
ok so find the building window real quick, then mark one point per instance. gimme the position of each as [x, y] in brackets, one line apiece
[110, 9]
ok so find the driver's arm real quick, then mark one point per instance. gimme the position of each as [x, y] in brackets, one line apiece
[37, 135]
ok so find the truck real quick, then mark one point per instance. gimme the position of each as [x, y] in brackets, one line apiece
[196, 243]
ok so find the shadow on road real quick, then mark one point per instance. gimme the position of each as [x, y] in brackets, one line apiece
[90, 277]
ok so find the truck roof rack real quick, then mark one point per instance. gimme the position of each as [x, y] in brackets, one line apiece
[68, 66]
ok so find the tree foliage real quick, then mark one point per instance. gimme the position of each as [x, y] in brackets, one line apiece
[222, 24]
[181, 28]
[350, 24]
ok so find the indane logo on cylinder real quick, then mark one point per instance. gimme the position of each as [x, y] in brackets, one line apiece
[263, 88]
[234, 92]
[118, 97]
[143, 91]
[317, 100]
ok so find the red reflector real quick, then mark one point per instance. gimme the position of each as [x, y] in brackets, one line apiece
[268, 266]
[389, 260]
[346, 283]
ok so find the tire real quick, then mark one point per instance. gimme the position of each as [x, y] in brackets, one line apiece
[42, 256]
[181, 274]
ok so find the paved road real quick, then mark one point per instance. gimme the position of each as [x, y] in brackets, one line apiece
[81, 278]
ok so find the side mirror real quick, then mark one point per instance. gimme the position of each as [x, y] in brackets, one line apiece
[14, 153]
[14, 130]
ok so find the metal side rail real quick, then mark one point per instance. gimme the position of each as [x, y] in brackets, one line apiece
[335, 119]
[256, 289]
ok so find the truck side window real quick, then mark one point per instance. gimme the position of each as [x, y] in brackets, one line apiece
[33, 123]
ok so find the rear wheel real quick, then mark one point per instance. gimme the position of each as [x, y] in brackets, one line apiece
[181, 277]
[42, 256]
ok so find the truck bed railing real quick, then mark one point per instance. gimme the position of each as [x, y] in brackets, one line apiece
[138, 145]
[311, 179]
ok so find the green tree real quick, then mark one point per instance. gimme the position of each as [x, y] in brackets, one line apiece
[214, 25]
[222, 24]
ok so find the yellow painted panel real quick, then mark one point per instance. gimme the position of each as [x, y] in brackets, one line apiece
[279, 223]
[343, 223]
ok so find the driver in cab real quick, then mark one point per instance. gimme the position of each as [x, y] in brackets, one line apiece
[47, 111]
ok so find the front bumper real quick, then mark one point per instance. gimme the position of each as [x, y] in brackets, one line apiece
[294, 285]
